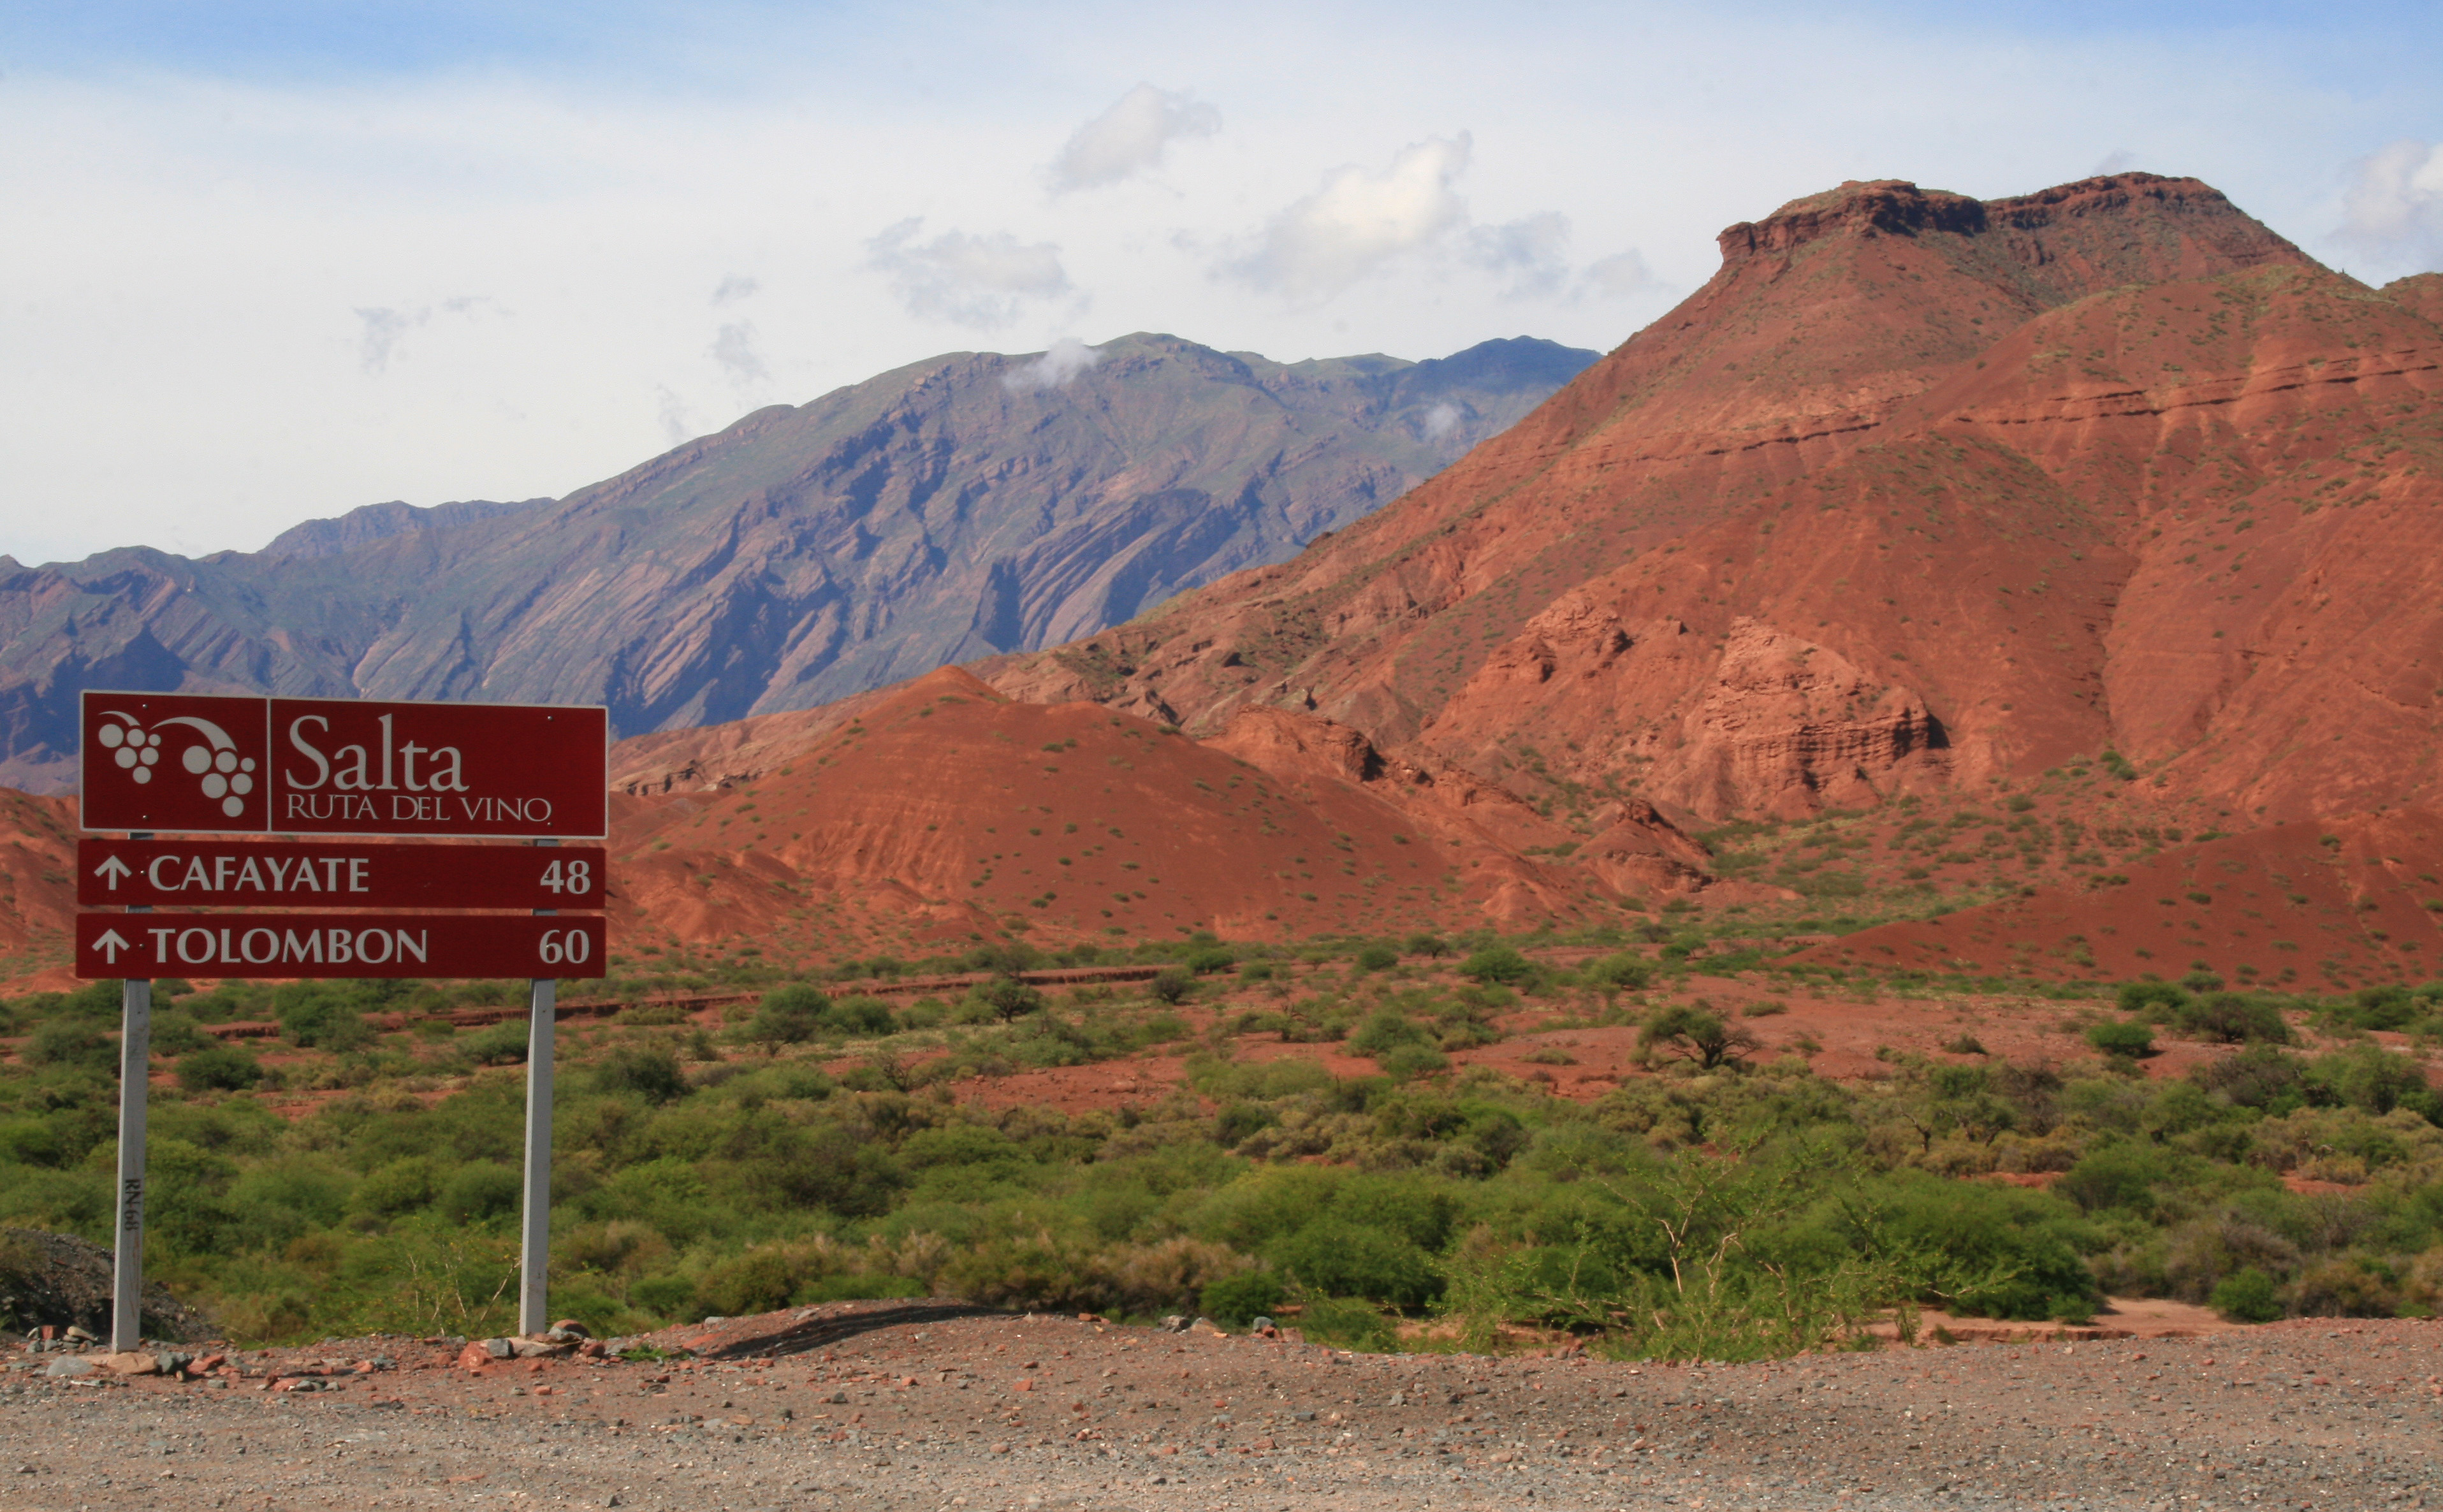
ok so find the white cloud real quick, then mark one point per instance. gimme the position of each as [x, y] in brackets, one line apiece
[736, 286]
[1440, 421]
[1358, 221]
[1619, 276]
[734, 349]
[1057, 368]
[2394, 209]
[1130, 137]
[983, 282]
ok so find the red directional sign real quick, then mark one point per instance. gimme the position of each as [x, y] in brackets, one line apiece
[294, 945]
[343, 766]
[238, 873]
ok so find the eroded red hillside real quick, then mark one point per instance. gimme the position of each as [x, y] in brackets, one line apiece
[1916, 494]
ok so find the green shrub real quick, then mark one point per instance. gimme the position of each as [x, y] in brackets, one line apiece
[1377, 959]
[667, 1297]
[2137, 997]
[2122, 1040]
[2373, 1080]
[2248, 1296]
[1345, 1260]
[502, 1043]
[2121, 1175]
[790, 1015]
[68, 1042]
[480, 1192]
[1207, 962]
[1009, 1000]
[316, 1016]
[1172, 984]
[1497, 963]
[871, 1016]
[1405, 1063]
[651, 1071]
[220, 1068]
[1623, 972]
[1237, 1300]
[1385, 1030]
[1345, 1324]
[1431, 946]
[2233, 1018]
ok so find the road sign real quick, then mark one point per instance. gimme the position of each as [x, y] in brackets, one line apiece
[192, 764]
[241, 873]
[296, 945]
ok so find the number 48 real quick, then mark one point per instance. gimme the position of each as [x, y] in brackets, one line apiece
[569, 876]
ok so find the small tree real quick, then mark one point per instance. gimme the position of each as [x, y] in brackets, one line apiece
[789, 1014]
[1010, 999]
[1172, 984]
[1697, 1034]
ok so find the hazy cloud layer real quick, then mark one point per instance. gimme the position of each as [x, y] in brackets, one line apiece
[1617, 277]
[1130, 137]
[1057, 368]
[736, 286]
[2394, 209]
[979, 281]
[1528, 253]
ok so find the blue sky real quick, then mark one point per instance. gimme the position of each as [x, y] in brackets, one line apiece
[267, 262]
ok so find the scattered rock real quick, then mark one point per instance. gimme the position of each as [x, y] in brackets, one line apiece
[71, 1365]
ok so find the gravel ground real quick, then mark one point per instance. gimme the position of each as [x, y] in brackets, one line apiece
[893, 1406]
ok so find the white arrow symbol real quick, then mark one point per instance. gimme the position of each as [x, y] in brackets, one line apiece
[110, 944]
[114, 869]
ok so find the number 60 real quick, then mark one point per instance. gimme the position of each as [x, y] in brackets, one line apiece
[572, 946]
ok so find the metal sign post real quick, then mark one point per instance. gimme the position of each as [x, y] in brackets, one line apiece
[135, 1094]
[534, 1239]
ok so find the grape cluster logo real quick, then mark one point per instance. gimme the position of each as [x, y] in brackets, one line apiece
[206, 753]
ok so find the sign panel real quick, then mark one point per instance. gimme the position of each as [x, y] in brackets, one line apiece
[295, 945]
[344, 766]
[176, 761]
[237, 873]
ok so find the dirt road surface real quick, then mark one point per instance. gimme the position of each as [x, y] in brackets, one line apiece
[913, 1407]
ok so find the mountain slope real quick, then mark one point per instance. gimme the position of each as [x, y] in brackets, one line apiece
[969, 505]
[1917, 493]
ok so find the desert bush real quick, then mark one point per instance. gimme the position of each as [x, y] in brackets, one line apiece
[1377, 959]
[1497, 963]
[650, 1071]
[67, 1042]
[219, 1068]
[1622, 972]
[1236, 1300]
[2346, 1286]
[790, 1015]
[2233, 1018]
[1344, 1259]
[2248, 1296]
[2127, 1041]
[1172, 984]
[316, 1016]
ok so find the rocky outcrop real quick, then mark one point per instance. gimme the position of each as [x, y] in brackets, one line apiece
[1786, 727]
